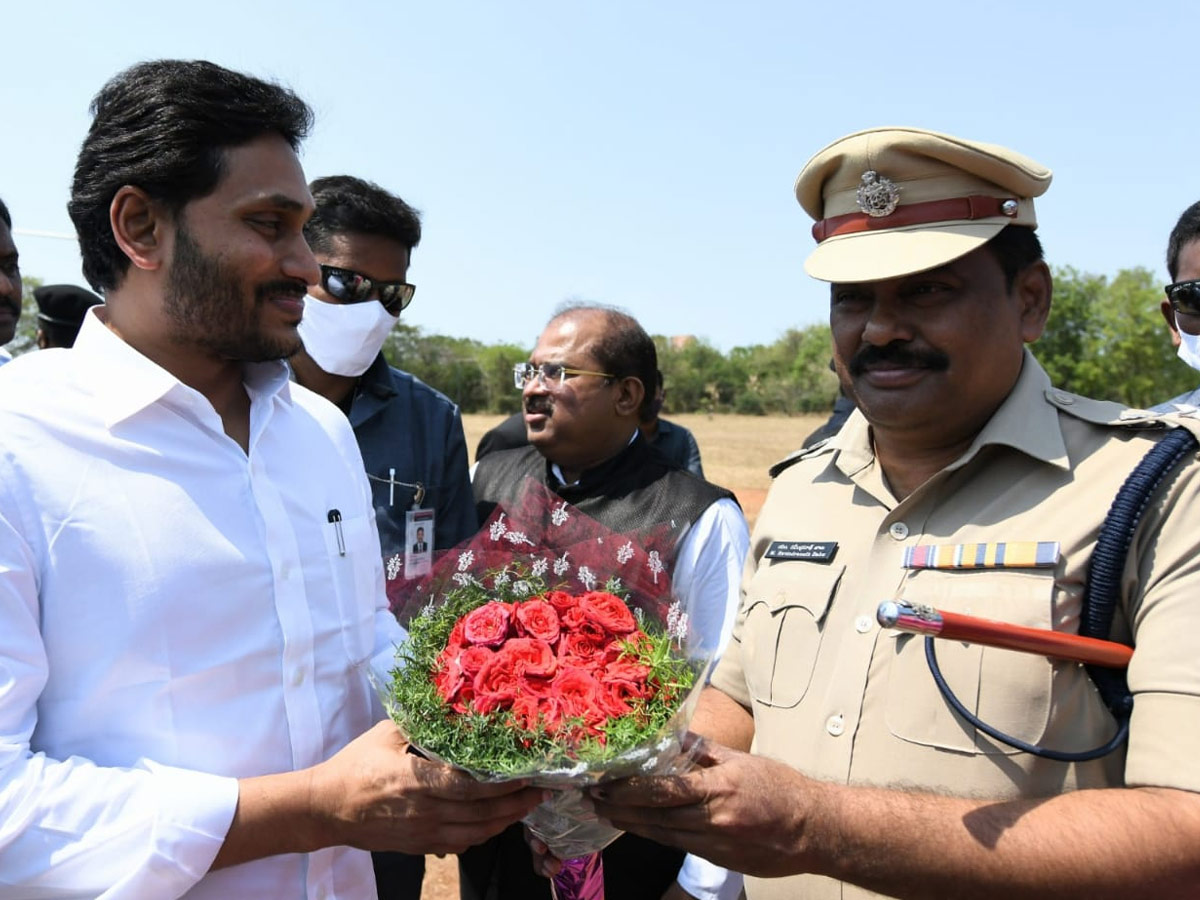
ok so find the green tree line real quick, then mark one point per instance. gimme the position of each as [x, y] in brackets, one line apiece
[1105, 338]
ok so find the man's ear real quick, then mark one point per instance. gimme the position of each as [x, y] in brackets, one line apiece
[629, 396]
[1168, 313]
[139, 227]
[1033, 287]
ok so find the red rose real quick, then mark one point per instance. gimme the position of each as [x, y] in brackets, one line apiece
[472, 659]
[626, 681]
[608, 611]
[529, 656]
[582, 650]
[487, 625]
[626, 671]
[560, 600]
[448, 675]
[580, 696]
[495, 685]
[456, 640]
[538, 619]
[573, 619]
[537, 686]
[524, 712]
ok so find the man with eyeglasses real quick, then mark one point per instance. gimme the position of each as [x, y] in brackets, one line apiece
[1181, 306]
[410, 435]
[836, 764]
[582, 392]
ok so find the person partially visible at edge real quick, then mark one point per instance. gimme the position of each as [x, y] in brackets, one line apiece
[836, 767]
[410, 435]
[191, 591]
[1181, 305]
[61, 308]
[673, 441]
[583, 390]
[10, 284]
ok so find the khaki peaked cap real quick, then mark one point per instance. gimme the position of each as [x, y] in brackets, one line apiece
[894, 201]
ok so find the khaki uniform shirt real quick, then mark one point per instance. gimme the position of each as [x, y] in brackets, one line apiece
[843, 700]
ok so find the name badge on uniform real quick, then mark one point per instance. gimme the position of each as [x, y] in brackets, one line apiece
[996, 555]
[811, 551]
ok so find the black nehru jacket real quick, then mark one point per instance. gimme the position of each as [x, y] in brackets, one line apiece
[635, 490]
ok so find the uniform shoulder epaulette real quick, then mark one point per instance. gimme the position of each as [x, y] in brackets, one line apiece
[1117, 415]
[805, 453]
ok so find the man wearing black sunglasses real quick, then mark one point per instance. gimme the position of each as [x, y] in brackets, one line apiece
[1181, 306]
[410, 436]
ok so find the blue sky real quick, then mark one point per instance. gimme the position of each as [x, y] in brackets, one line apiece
[641, 153]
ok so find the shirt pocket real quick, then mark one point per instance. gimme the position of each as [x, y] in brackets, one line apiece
[1007, 689]
[783, 617]
[353, 558]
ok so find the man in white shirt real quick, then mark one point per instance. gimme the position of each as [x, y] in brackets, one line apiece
[10, 284]
[190, 580]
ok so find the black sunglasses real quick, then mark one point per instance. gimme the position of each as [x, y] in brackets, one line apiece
[1184, 297]
[348, 286]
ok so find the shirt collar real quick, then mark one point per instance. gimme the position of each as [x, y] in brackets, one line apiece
[126, 382]
[588, 474]
[1025, 421]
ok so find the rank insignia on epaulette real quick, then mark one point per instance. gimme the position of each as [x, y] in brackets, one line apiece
[996, 555]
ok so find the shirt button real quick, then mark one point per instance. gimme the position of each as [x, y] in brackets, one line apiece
[298, 676]
[863, 624]
[835, 725]
[898, 530]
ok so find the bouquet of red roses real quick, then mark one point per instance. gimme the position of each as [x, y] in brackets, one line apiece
[549, 648]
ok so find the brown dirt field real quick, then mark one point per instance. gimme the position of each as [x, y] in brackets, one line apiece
[736, 452]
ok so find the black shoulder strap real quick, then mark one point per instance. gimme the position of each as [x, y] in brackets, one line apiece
[1112, 547]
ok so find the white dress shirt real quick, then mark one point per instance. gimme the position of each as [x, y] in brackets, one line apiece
[174, 614]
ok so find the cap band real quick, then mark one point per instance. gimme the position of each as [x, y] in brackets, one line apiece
[957, 209]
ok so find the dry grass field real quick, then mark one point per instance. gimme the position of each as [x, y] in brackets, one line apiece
[736, 452]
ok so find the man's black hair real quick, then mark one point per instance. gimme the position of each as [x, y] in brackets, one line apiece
[4, 216]
[164, 127]
[1186, 230]
[346, 204]
[1014, 248]
[624, 348]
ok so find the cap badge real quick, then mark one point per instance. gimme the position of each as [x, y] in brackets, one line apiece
[877, 196]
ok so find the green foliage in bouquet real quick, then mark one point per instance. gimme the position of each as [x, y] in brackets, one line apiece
[539, 727]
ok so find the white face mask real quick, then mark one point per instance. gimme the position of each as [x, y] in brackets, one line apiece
[1189, 349]
[344, 338]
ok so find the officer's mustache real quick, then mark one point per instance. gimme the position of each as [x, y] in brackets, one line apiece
[899, 354]
[539, 405]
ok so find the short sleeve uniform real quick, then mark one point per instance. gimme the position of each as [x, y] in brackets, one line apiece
[843, 700]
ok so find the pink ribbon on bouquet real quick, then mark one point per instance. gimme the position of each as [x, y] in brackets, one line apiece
[581, 878]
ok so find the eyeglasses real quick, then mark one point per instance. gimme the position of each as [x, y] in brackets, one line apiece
[549, 374]
[348, 286]
[1184, 297]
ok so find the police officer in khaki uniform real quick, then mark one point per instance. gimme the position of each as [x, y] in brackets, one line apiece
[964, 480]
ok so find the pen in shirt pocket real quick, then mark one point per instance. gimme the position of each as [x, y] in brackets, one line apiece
[335, 519]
